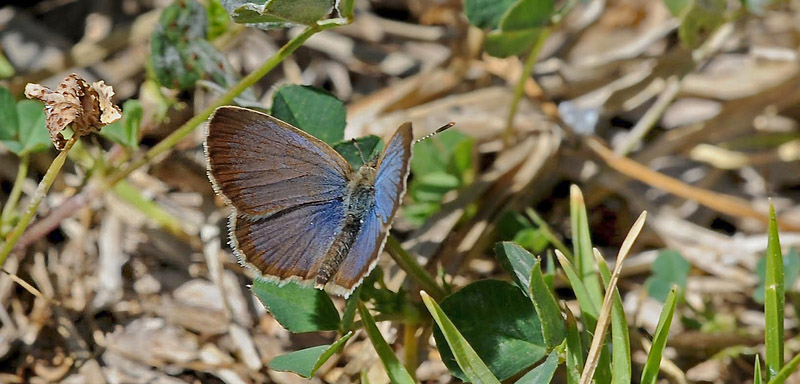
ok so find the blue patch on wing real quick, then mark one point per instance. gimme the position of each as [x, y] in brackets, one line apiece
[365, 250]
[390, 182]
[290, 243]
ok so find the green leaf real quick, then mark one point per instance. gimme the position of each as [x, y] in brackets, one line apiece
[370, 146]
[486, 14]
[511, 43]
[350, 308]
[791, 269]
[527, 14]
[346, 8]
[774, 300]
[547, 308]
[125, 131]
[306, 362]
[218, 19]
[270, 14]
[676, 7]
[543, 373]
[9, 123]
[434, 154]
[33, 134]
[669, 268]
[396, 371]
[699, 20]
[6, 69]
[620, 339]
[532, 239]
[469, 362]
[311, 109]
[180, 52]
[297, 308]
[499, 322]
[650, 370]
[517, 262]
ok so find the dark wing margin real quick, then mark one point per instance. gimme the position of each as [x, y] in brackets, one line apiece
[261, 165]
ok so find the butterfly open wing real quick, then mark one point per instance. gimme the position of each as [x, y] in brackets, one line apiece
[262, 165]
[390, 186]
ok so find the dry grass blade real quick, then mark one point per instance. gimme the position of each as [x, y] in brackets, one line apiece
[605, 312]
[719, 202]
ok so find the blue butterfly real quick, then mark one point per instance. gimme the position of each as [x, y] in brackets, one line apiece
[300, 211]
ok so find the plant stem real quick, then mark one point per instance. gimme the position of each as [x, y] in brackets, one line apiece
[545, 230]
[414, 270]
[38, 196]
[16, 192]
[519, 89]
[410, 348]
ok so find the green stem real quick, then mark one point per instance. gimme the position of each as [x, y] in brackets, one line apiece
[545, 230]
[410, 348]
[519, 88]
[414, 270]
[153, 211]
[16, 192]
[187, 128]
[38, 196]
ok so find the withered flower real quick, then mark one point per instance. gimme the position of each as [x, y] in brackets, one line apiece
[87, 107]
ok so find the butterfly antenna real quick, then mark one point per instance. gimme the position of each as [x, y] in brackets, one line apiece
[361, 154]
[436, 132]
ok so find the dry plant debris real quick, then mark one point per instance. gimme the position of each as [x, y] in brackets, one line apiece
[86, 107]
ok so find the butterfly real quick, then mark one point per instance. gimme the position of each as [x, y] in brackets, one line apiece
[300, 211]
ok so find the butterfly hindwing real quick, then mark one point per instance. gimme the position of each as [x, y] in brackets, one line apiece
[262, 165]
[290, 243]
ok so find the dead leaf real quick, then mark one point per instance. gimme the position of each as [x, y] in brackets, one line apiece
[87, 107]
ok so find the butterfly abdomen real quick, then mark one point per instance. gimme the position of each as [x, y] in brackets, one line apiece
[361, 200]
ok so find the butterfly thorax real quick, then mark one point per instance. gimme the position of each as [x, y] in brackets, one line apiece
[359, 201]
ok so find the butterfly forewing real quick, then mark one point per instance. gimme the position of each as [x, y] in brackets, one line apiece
[262, 165]
[390, 182]
[390, 186]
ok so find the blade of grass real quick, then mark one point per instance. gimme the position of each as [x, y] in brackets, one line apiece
[620, 339]
[774, 299]
[650, 370]
[466, 357]
[587, 306]
[582, 243]
[605, 312]
[414, 270]
[574, 349]
[396, 371]
[757, 371]
[786, 371]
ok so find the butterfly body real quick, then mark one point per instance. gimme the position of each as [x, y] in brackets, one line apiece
[300, 212]
[360, 201]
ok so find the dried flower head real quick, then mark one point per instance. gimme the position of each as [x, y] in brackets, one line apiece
[87, 108]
